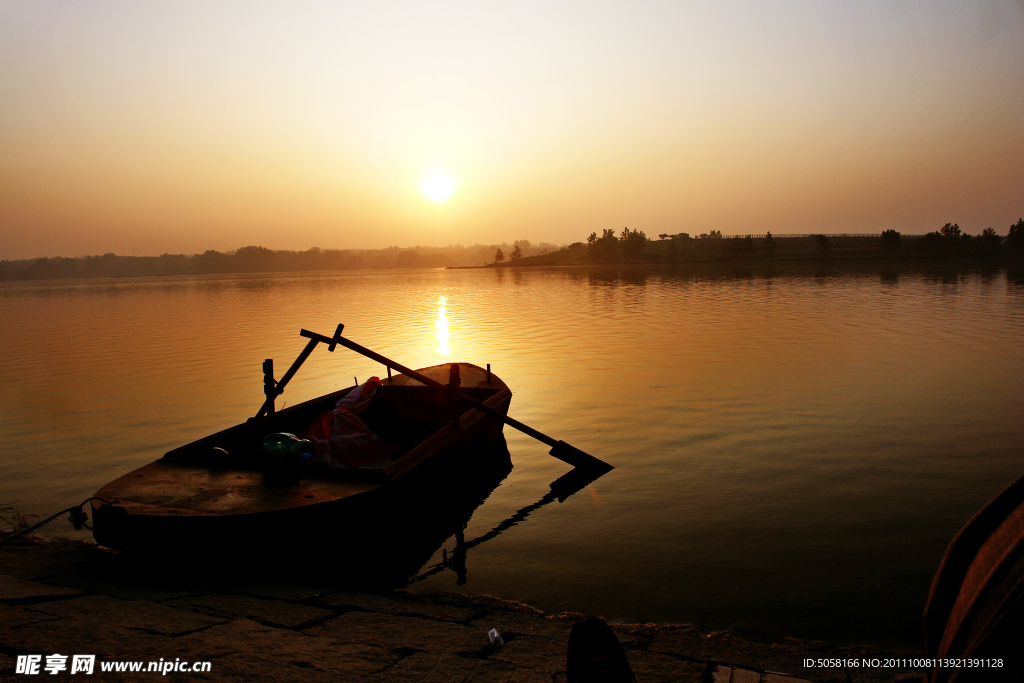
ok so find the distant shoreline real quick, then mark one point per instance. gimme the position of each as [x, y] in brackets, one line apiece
[753, 267]
[884, 250]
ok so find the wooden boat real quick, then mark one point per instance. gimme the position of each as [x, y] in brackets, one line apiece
[974, 619]
[194, 496]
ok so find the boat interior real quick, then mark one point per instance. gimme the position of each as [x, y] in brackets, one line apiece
[404, 413]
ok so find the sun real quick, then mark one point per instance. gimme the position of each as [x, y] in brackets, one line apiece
[438, 187]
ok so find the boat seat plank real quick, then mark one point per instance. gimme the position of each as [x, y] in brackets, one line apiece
[165, 487]
[471, 377]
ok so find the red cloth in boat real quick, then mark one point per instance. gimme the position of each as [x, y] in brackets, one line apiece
[342, 439]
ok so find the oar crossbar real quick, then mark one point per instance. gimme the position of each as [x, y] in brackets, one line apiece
[273, 388]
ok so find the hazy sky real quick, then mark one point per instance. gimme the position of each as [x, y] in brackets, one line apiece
[143, 128]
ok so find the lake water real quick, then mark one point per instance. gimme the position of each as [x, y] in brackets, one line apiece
[793, 452]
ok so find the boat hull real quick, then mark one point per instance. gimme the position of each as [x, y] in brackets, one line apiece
[183, 501]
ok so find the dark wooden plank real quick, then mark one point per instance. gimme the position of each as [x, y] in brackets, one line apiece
[978, 591]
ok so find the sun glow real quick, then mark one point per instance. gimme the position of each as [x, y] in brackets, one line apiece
[438, 187]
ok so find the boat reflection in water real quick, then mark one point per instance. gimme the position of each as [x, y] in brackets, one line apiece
[383, 552]
[387, 552]
[570, 483]
[433, 515]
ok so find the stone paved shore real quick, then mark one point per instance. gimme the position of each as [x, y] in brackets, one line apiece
[77, 598]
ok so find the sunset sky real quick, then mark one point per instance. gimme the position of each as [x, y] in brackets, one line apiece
[144, 128]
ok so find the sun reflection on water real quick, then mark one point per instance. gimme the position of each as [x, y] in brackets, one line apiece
[442, 327]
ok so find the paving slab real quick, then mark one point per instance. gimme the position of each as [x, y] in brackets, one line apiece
[277, 592]
[276, 613]
[441, 606]
[18, 617]
[744, 676]
[269, 651]
[14, 591]
[137, 615]
[76, 598]
[394, 632]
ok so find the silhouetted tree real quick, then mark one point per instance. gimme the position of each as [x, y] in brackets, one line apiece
[988, 243]
[769, 244]
[932, 244]
[823, 245]
[102, 266]
[710, 243]
[890, 241]
[633, 242]
[171, 264]
[254, 259]
[953, 241]
[605, 247]
[499, 256]
[1015, 239]
[210, 261]
[517, 253]
[57, 267]
[947, 241]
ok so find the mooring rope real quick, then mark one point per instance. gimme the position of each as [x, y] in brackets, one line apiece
[78, 518]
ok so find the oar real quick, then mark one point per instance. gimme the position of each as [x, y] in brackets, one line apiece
[565, 486]
[559, 449]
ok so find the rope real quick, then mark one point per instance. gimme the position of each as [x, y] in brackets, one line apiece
[78, 518]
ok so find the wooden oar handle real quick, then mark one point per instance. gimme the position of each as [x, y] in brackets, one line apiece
[349, 344]
[559, 449]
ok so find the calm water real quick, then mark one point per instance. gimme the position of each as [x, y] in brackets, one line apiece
[793, 453]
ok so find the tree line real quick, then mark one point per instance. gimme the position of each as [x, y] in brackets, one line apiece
[255, 259]
[633, 246]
